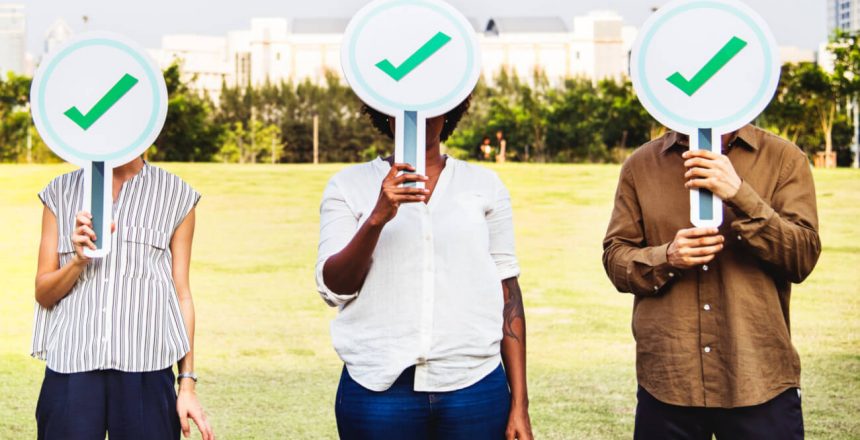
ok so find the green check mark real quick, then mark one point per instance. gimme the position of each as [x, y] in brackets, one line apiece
[716, 63]
[108, 100]
[421, 55]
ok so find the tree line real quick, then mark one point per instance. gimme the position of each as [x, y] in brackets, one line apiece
[574, 120]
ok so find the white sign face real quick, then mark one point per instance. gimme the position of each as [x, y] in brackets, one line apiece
[99, 98]
[705, 64]
[705, 68]
[411, 55]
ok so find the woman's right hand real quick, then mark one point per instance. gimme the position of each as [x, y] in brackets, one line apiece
[83, 237]
[392, 194]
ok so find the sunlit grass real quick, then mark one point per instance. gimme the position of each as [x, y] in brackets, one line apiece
[263, 349]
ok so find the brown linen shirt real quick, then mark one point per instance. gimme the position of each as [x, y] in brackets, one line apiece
[717, 335]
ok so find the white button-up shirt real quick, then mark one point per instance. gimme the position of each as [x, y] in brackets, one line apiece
[433, 297]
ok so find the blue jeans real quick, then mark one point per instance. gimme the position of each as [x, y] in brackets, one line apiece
[477, 412]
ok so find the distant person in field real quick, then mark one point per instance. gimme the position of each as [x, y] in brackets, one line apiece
[486, 149]
[430, 309]
[111, 329]
[711, 305]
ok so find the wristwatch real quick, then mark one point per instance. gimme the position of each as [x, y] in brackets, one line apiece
[188, 375]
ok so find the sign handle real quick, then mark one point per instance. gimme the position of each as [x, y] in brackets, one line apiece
[706, 209]
[410, 143]
[98, 200]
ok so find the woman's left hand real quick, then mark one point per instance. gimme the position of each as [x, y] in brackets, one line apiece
[519, 425]
[188, 406]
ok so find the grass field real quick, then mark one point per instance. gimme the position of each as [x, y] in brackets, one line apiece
[263, 349]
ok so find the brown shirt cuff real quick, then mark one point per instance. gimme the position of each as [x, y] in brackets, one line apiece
[655, 268]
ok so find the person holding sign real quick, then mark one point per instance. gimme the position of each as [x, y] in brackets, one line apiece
[710, 314]
[430, 307]
[417, 250]
[111, 328]
[712, 224]
[113, 314]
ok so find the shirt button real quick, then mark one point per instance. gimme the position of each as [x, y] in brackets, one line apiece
[656, 288]
[707, 307]
[740, 238]
[705, 268]
[671, 274]
[707, 349]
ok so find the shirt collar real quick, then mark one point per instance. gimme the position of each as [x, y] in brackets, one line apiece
[746, 136]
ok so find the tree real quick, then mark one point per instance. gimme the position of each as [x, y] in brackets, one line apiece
[575, 132]
[846, 70]
[786, 113]
[190, 133]
[623, 120]
[820, 92]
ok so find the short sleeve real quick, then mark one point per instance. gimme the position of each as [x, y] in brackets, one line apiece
[187, 199]
[48, 196]
[501, 228]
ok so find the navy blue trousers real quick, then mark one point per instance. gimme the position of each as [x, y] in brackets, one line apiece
[126, 406]
[781, 418]
[478, 412]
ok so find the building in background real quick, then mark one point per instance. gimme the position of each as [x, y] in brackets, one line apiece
[843, 15]
[202, 60]
[57, 34]
[13, 35]
[595, 46]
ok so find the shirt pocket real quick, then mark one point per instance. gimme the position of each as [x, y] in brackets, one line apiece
[145, 253]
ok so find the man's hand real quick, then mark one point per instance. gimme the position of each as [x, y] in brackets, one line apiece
[713, 172]
[694, 247]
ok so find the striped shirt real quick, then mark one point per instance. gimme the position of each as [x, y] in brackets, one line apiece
[123, 312]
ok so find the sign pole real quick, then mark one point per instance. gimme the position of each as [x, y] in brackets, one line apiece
[98, 200]
[706, 209]
[411, 143]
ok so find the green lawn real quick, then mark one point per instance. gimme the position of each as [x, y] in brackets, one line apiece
[263, 349]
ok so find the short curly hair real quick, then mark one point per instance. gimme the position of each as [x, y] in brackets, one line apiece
[452, 118]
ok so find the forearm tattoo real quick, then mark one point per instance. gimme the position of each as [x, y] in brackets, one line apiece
[513, 308]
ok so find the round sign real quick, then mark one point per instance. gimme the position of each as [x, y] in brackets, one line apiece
[411, 55]
[705, 64]
[98, 98]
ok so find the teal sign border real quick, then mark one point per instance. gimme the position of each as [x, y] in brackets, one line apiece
[150, 126]
[765, 43]
[464, 33]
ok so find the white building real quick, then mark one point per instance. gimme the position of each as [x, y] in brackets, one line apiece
[596, 46]
[843, 15]
[57, 34]
[202, 60]
[13, 35]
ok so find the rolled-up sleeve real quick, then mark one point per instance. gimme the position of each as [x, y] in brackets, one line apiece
[784, 233]
[632, 266]
[501, 227]
[338, 224]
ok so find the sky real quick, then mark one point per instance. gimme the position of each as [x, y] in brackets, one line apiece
[801, 23]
